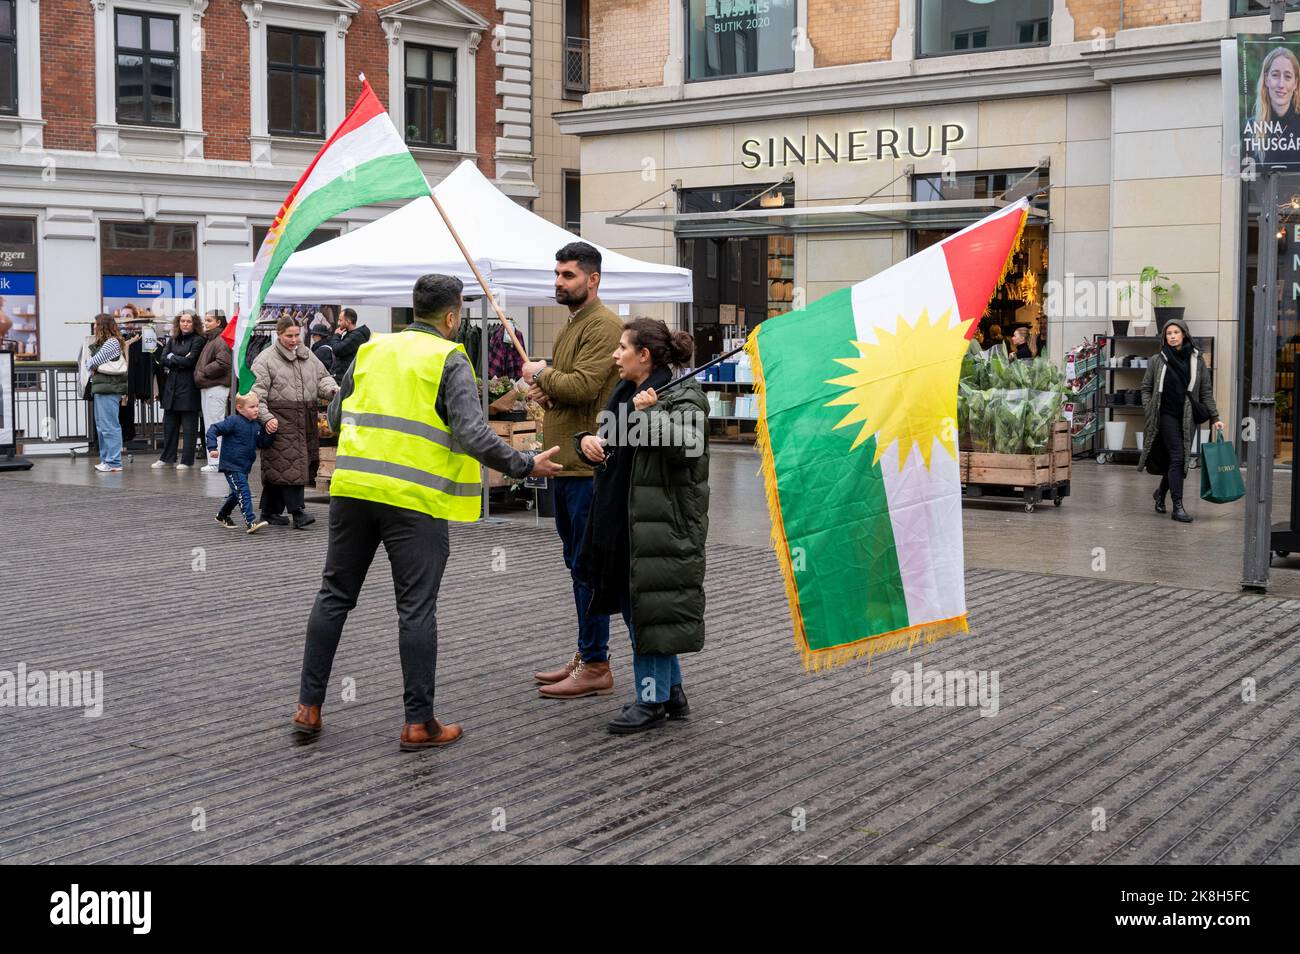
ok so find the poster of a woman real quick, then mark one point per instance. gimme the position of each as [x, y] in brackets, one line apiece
[1271, 107]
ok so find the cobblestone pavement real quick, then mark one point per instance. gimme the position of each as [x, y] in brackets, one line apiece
[1122, 698]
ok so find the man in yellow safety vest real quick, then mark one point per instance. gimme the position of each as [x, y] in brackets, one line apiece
[411, 437]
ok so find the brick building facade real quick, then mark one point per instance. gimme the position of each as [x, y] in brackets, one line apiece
[74, 153]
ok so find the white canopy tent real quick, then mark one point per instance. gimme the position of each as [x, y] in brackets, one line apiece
[514, 249]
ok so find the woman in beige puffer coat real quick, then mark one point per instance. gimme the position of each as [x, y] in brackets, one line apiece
[291, 381]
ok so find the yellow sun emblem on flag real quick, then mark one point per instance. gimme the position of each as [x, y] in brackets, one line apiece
[904, 387]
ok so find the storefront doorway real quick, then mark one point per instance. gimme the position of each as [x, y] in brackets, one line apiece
[740, 280]
[1018, 302]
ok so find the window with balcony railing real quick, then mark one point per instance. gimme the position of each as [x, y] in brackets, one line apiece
[577, 48]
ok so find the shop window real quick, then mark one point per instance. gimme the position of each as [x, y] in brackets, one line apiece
[151, 266]
[19, 315]
[8, 58]
[147, 69]
[1256, 8]
[974, 185]
[1019, 299]
[738, 280]
[430, 96]
[739, 37]
[957, 26]
[572, 201]
[295, 83]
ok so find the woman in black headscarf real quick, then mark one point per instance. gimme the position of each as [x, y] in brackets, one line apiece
[1178, 396]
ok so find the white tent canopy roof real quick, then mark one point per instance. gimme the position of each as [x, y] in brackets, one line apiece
[514, 249]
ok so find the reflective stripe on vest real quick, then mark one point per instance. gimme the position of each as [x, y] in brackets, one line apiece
[393, 446]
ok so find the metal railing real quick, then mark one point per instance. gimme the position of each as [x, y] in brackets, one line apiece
[47, 398]
[577, 64]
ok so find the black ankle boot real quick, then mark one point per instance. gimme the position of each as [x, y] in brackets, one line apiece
[639, 717]
[302, 519]
[676, 707]
[1159, 497]
[1181, 515]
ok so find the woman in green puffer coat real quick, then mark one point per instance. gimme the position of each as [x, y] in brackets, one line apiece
[643, 554]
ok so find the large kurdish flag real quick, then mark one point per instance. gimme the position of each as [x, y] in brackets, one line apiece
[861, 467]
[364, 161]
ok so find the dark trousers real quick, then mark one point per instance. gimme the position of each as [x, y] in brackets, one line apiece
[1171, 435]
[178, 427]
[417, 546]
[572, 507]
[277, 498]
[239, 495]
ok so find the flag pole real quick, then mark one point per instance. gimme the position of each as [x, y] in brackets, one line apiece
[694, 371]
[481, 280]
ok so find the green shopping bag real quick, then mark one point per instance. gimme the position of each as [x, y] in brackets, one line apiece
[1220, 473]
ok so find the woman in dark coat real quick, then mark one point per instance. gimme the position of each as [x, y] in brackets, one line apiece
[291, 382]
[1178, 395]
[180, 398]
[643, 554]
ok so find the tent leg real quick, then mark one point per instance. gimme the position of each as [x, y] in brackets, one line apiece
[483, 378]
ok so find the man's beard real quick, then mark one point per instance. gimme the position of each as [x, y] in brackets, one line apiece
[565, 297]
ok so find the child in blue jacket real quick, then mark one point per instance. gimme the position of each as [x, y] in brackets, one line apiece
[242, 435]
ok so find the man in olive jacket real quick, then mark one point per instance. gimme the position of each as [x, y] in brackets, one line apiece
[574, 390]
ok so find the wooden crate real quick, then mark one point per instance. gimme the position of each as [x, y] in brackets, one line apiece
[1018, 470]
[1061, 436]
[520, 435]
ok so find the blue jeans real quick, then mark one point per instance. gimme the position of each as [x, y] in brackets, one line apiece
[655, 673]
[108, 429]
[239, 495]
[572, 506]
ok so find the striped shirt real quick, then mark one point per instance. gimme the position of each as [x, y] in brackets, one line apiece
[110, 351]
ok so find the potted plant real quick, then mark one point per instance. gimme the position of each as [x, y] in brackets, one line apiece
[1157, 290]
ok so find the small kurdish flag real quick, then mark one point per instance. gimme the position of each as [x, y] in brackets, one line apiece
[858, 432]
[364, 161]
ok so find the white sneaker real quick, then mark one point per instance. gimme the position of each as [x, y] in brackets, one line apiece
[159, 465]
[209, 469]
[182, 466]
[107, 468]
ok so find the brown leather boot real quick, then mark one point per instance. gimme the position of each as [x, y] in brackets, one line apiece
[551, 676]
[428, 735]
[587, 679]
[306, 719]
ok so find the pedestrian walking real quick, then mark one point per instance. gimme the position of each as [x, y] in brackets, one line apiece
[574, 389]
[643, 554]
[212, 375]
[1178, 396]
[411, 437]
[180, 395]
[240, 436]
[291, 382]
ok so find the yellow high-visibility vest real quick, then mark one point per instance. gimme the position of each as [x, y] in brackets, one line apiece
[393, 446]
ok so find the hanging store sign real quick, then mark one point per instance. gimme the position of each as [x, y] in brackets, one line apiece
[855, 145]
